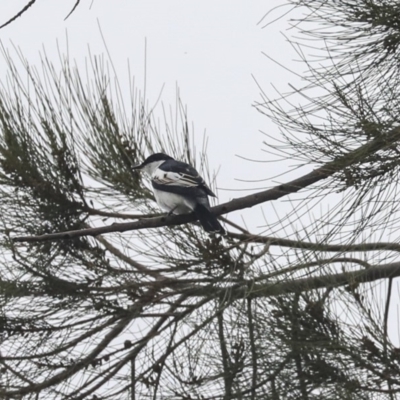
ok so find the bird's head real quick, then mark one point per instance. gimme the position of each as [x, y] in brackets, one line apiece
[152, 162]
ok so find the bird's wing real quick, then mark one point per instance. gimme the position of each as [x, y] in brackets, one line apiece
[182, 175]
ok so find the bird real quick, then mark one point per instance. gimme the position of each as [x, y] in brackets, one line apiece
[179, 189]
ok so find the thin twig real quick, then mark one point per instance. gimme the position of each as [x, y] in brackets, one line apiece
[73, 9]
[133, 382]
[253, 350]
[385, 331]
[18, 14]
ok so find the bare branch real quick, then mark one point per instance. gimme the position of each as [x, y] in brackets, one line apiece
[18, 14]
[247, 289]
[73, 9]
[253, 350]
[298, 244]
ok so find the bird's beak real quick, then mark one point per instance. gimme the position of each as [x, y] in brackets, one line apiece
[137, 166]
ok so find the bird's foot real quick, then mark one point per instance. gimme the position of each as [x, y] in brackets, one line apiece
[171, 212]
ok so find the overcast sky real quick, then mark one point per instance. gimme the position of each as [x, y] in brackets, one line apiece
[210, 49]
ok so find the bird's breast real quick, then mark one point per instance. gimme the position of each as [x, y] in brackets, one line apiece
[173, 202]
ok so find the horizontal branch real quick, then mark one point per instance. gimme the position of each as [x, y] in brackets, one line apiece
[250, 290]
[233, 205]
[274, 193]
[299, 244]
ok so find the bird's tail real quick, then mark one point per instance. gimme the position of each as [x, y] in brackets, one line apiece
[208, 220]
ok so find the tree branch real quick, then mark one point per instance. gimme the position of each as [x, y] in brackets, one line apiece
[73, 9]
[18, 14]
[253, 350]
[274, 193]
[249, 290]
[271, 241]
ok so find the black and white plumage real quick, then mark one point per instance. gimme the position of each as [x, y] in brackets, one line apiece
[179, 189]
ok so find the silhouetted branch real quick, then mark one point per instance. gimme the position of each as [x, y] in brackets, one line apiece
[30, 4]
[374, 273]
[237, 204]
[73, 9]
[299, 244]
